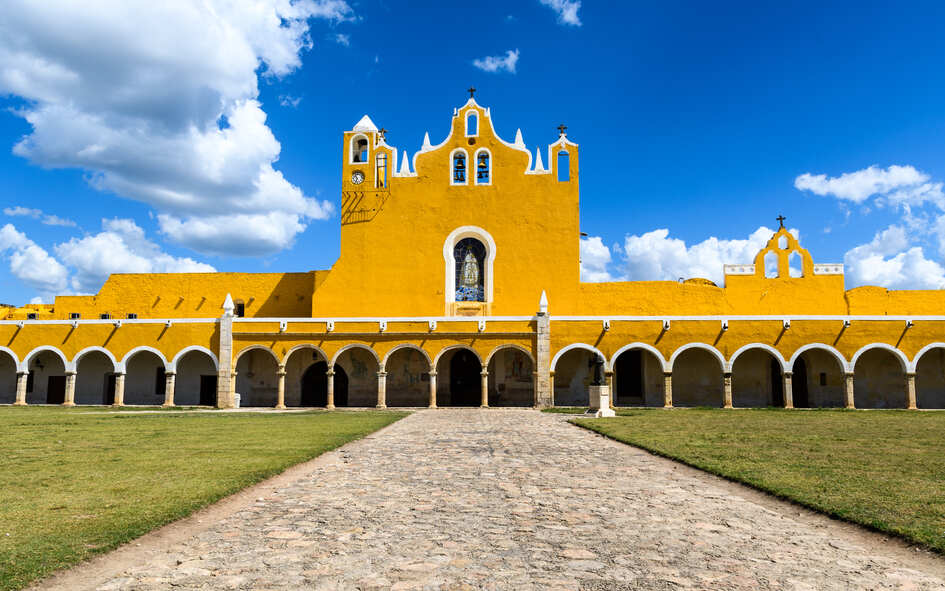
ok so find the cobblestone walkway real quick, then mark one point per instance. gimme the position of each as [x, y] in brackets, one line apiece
[470, 499]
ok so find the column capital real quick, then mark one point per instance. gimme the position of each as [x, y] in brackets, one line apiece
[22, 373]
[169, 373]
[70, 372]
[432, 374]
[484, 373]
[910, 375]
[787, 374]
[281, 373]
[330, 373]
[668, 374]
[382, 374]
[727, 375]
[119, 373]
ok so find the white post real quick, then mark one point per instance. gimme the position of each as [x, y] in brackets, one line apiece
[382, 389]
[119, 390]
[727, 390]
[330, 403]
[849, 400]
[280, 390]
[910, 391]
[484, 387]
[787, 378]
[432, 389]
[22, 378]
[70, 389]
[668, 389]
[169, 381]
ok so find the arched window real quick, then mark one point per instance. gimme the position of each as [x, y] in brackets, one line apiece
[564, 166]
[472, 123]
[483, 168]
[359, 149]
[381, 170]
[469, 255]
[459, 167]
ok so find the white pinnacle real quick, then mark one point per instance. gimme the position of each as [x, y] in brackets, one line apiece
[539, 165]
[426, 142]
[404, 167]
[365, 124]
[519, 142]
[228, 306]
[543, 303]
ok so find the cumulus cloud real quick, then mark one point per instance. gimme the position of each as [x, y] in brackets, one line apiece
[900, 185]
[498, 63]
[47, 219]
[166, 114]
[595, 260]
[32, 264]
[567, 11]
[889, 261]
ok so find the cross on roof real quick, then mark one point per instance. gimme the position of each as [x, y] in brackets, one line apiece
[471, 90]
[781, 219]
[562, 129]
[382, 131]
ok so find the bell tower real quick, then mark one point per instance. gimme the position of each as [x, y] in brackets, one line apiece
[358, 172]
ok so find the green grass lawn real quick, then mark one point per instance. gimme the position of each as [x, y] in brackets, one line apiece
[884, 470]
[74, 484]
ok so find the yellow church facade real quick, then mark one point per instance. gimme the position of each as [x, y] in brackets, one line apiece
[458, 284]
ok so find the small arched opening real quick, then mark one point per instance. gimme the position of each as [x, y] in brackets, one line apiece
[359, 149]
[879, 380]
[757, 380]
[459, 167]
[564, 166]
[472, 123]
[459, 378]
[483, 167]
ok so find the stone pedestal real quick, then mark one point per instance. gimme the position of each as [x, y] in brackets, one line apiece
[600, 402]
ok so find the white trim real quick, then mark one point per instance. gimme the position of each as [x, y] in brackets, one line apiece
[78, 356]
[476, 167]
[288, 354]
[16, 360]
[25, 364]
[444, 350]
[351, 346]
[375, 319]
[402, 346]
[124, 360]
[644, 347]
[716, 318]
[124, 321]
[510, 346]
[923, 351]
[763, 347]
[573, 346]
[903, 360]
[837, 355]
[351, 148]
[452, 166]
[488, 276]
[236, 358]
[723, 365]
[186, 350]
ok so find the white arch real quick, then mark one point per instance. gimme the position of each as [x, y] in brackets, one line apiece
[705, 347]
[475, 167]
[448, 246]
[288, 354]
[187, 350]
[763, 347]
[124, 360]
[643, 346]
[356, 346]
[444, 350]
[407, 346]
[571, 347]
[16, 360]
[452, 165]
[78, 356]
[844, 365]
[903, 360]
[256, 348]
[923, 351]
[25, 364]
[355, 138]
[472, 114]
[510, 346]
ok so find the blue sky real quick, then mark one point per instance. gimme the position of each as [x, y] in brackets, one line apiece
[211, 139]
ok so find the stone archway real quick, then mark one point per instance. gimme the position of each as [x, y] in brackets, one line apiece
[459, 378]
[8, 371]
[46, 383]
[356, 370]
[930, 379]
[879, 380]
[511, 378]
[95, 379]
[257, 380]
[195, 380]
[408, 378]
[697, 379]
[638, 378]
[757, 380]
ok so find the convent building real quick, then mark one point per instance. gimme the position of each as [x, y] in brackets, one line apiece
[458, 284]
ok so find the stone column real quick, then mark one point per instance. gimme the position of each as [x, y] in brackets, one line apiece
[667, 389]
[544, 384]
[484, 386]
[788, 387]
[169, 381]
[119, 389]
[21, 378]
[280, 388]
[551, 376]
[382, 389]
[609, 380]
[226, 383]
[910, 391]
[727, 390]
[70, 389]
[848, 390]
[432, 389]
[330, 404]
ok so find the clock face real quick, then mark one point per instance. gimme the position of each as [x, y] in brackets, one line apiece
[357, 177]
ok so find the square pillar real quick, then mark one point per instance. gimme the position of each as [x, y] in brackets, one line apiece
[382, 389]
[484, 387]
[70, 389]
[848, 390]
[788, 387]
[667, 389]
[544, 384]
[600, 401]
[910, 391]
[169, 381]
[330, 402]
[280, 388]
[21, 379]
[432, 389]
[727, 390]
[119, 389]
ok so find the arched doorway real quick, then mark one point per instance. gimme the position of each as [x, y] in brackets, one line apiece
[817, 380]
[257, 381]
[638, 379]
[145, 379]
[196, 380]
[459, 379]
[46, 383]
[573, 376]
[7, 378]
[697, 379]
[511, 379]
[356, 377]
[315, 386]
[879, 380]
[408, 378]
[757, 380]
[95, 379]
[930, 379]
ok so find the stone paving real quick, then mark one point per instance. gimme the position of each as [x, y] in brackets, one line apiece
[472, 499]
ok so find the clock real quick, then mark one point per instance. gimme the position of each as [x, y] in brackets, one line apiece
[357, 177]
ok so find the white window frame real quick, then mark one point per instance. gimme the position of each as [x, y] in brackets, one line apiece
[453, 180]
[488, 261]
[472, 113]
[354, 139]
[476, 167]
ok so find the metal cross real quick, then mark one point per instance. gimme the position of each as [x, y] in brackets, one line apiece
[382, 132]
[562, 129]
[781, 219]
[471, 91]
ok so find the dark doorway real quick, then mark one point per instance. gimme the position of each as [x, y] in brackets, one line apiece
[341, 387]
[315, 385]
[465, 379]
[208, 390]
[777, 385]
[799, 384]
[629, 377]
[109, 398]
[56, 390]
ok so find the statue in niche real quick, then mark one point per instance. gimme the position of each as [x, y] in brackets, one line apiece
[469, 287]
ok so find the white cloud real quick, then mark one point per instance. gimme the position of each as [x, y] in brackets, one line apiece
[32, 264]
[342, 39]
[496, 63]
[595, 258]
[55, 220]
[567, 11]
[47, 219]
[889, 261]
[899, 184]
[167, 113]
[121, 247]
[287, 100]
